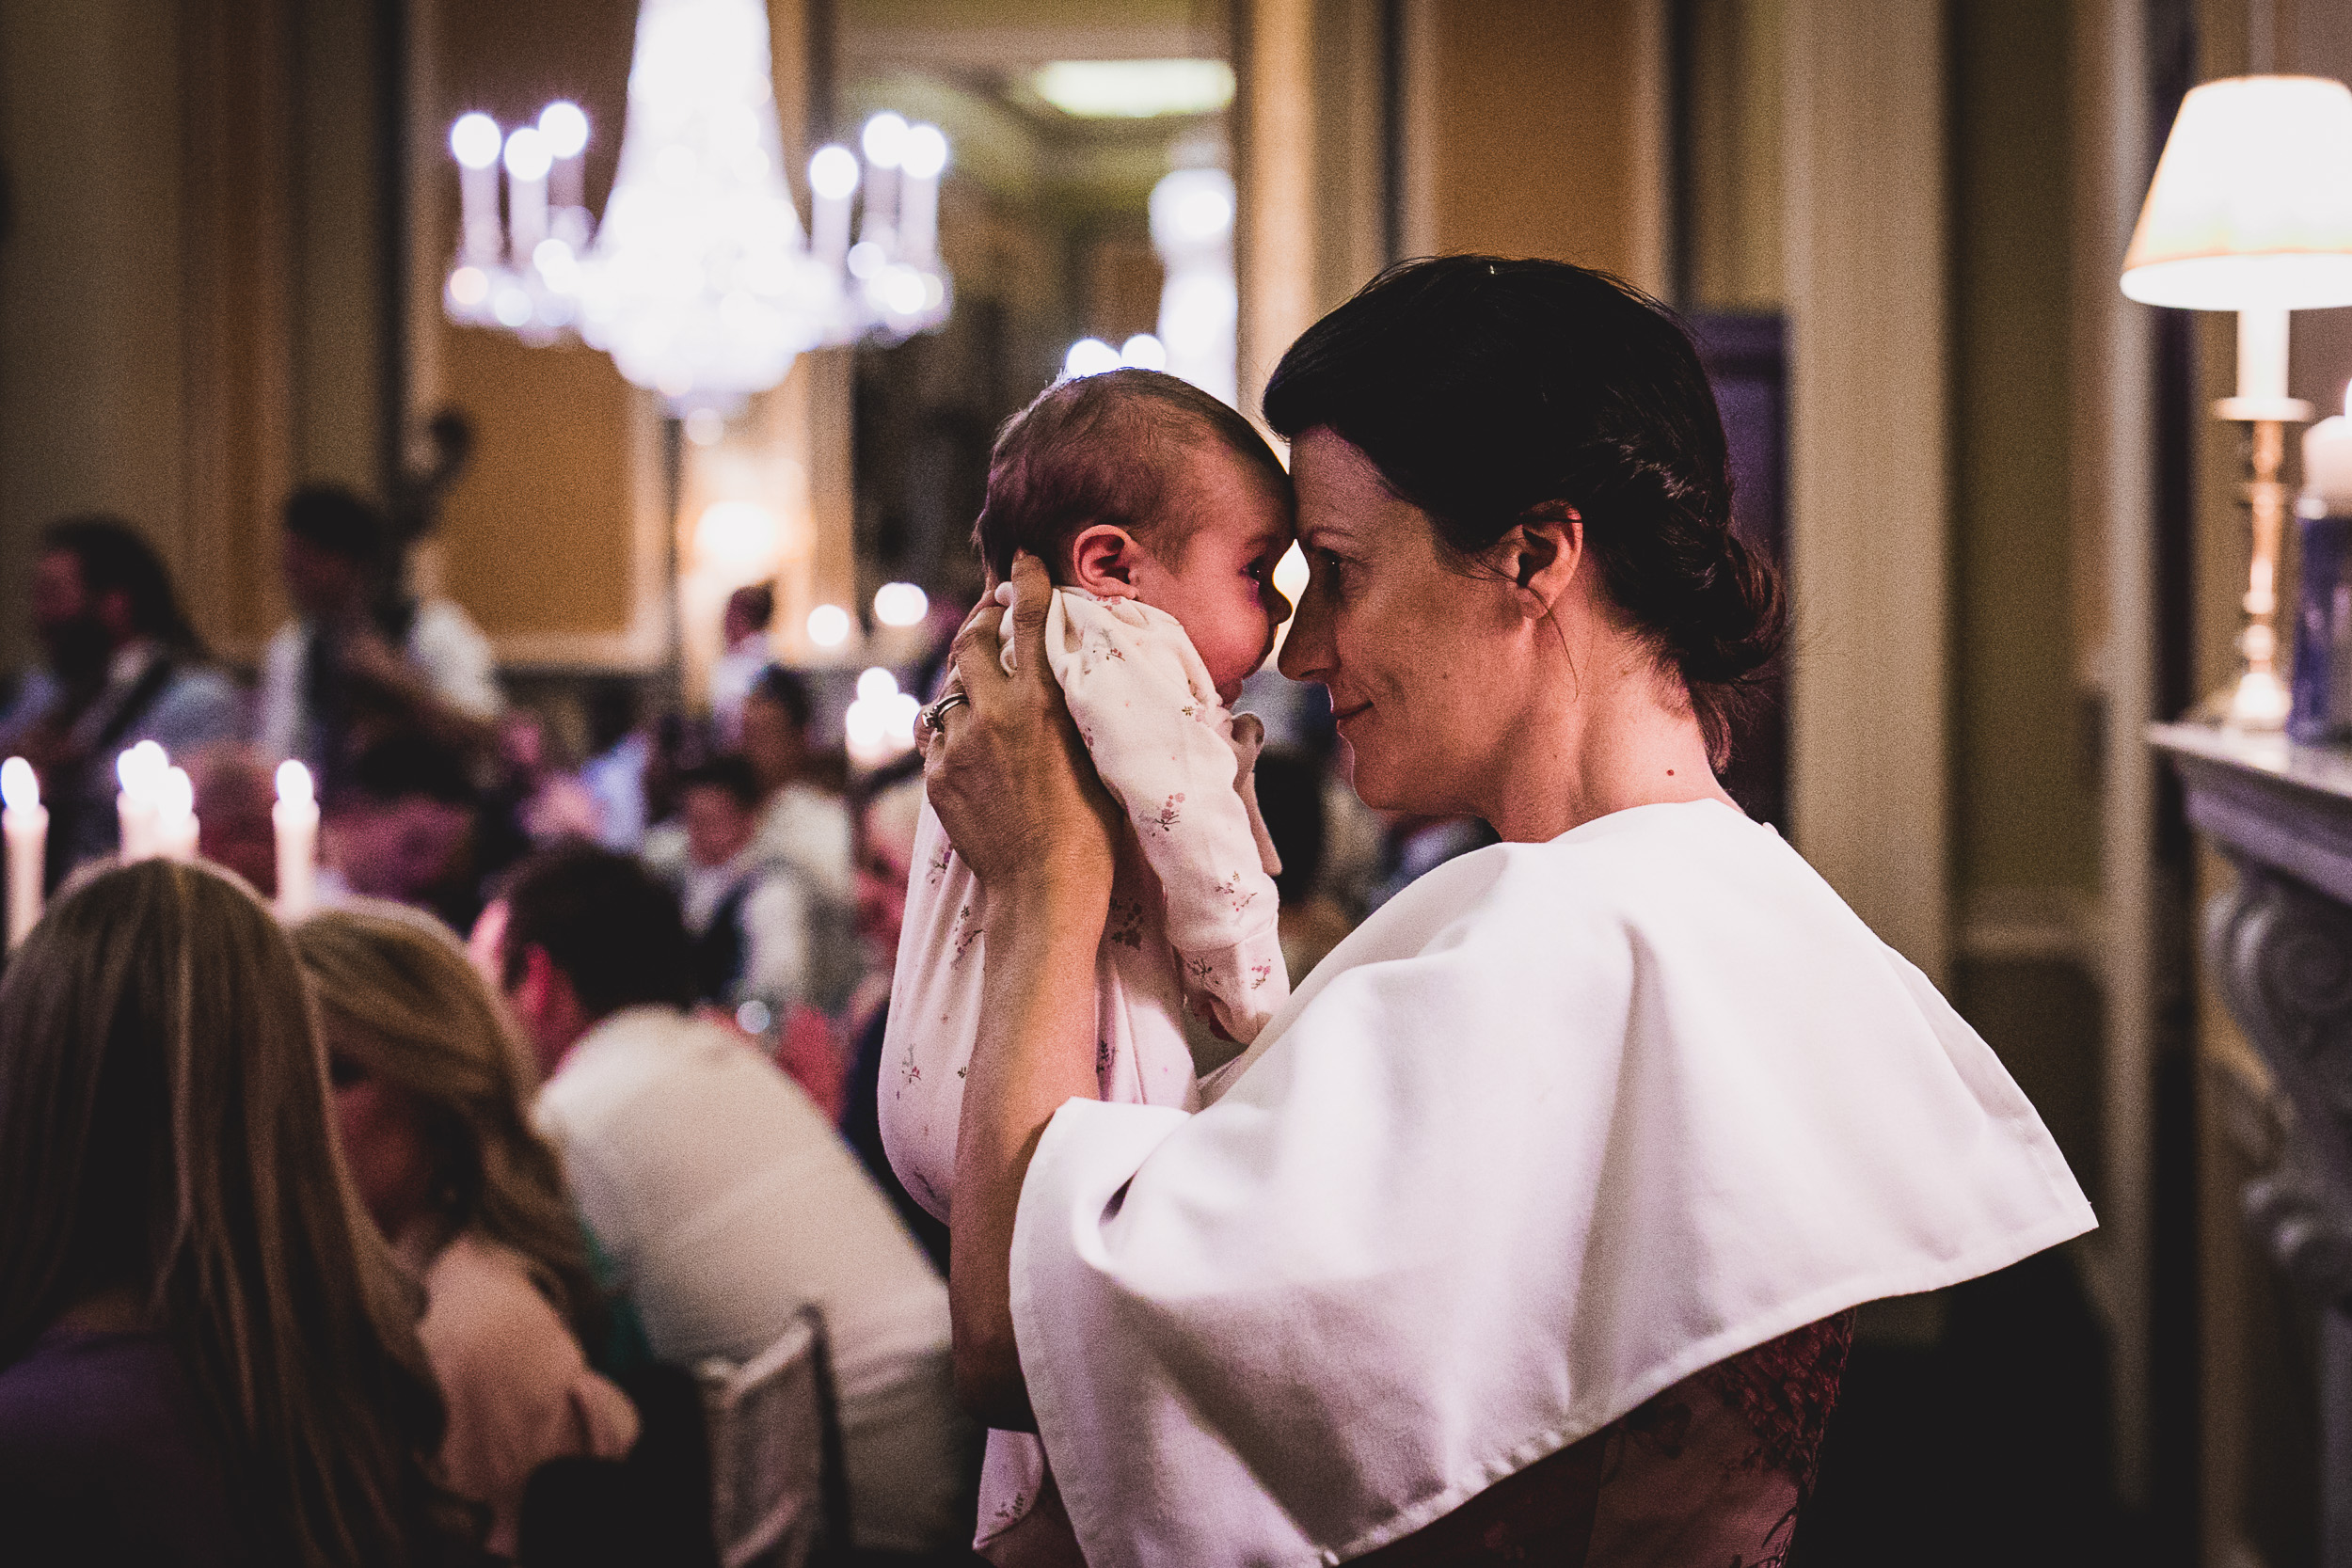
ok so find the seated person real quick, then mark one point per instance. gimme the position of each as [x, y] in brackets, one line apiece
[394, 825]
[433, 1097]
[207, 1355]
[724, 1200]
[1160, 513]
[364, 658]
[122, 666]
[234, 795]
[747, 913]
[744, 629]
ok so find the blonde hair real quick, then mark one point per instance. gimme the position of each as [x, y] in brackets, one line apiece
[400, 998]
[164, 1131]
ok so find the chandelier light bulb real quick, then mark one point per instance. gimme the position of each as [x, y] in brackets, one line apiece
[527, 155]
[829, 626]
[564, 126]
[1088, 357]
[474, 140]
[1144, 352]
[141, 769]
[832, 173]
[867, 260]
[877, 685]
[925, 152]
[469, 286]
[294, 783]
[901, 604]
[884, 139]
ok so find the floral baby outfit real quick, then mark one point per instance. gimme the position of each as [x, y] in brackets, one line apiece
[1192, 920]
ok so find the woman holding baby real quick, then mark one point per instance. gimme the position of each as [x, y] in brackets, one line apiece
[1529, 1228]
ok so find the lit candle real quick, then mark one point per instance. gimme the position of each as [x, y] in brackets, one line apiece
[296, 818]
[565, 129]
[2328, 464]
[175, 816]
[831, 181]
[141, 769]
[475, 141]
[885, 140]
[919, 167]
[25, 826]
[527, 166]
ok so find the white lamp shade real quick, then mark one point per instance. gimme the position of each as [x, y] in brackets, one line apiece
[2252, 205]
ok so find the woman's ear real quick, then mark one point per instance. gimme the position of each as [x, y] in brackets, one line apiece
[1102, 561]
[1540, 555]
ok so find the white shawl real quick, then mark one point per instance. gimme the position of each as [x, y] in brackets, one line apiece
[1561, 1125]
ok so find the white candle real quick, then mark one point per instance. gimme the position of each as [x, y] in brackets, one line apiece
[25, 826]
[527, 165]
[831, 181]
[2262, 354]
[141, 769]
[2327, 463]
[919, 167]
[175, 817]
[885, 140]
[296, 818]
[475, 141]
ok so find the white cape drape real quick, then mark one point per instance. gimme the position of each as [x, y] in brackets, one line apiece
[1560, 1125]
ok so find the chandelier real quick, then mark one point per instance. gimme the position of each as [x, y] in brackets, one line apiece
[700, 282]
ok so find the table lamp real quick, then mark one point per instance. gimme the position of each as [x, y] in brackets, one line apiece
[2250, 211]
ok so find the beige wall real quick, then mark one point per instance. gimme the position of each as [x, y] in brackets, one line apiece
[190, 293]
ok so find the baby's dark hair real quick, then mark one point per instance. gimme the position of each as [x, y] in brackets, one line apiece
[1095, 450]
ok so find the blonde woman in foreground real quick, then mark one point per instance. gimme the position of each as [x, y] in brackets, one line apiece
[430, 1091]
[206, 1350]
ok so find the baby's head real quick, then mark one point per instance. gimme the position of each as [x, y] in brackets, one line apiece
[1136, 484]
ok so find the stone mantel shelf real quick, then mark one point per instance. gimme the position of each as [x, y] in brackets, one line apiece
[2262, 796]
[2278, 946]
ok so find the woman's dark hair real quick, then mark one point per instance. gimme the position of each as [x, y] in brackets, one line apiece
[164, 1133]
[604, 921]
[1483, 390]
[113, 557]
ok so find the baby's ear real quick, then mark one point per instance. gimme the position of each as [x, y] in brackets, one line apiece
[1102, 561]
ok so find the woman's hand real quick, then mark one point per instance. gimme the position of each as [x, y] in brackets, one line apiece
[1019, 799]
[1012, 783]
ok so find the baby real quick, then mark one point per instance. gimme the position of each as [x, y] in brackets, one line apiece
[1160, 513]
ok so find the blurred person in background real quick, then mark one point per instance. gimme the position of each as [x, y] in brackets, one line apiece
[744, 629]
[886, 861]
[432, 1096]
[804, 827]
[746, 914]
[1291, 801]
[122, 666]
[364, 656]
[206, 1350]
[234, 795]
[395, 826]
[724, 1200]
[537, 800]
[801, 824]
[614, 772]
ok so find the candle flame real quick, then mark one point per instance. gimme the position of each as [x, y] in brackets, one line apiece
[294, 783]
[141, 769]
[20, 787]
[176, 793]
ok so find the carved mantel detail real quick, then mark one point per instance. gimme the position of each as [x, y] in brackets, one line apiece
[2278, 944]
[2283, 955]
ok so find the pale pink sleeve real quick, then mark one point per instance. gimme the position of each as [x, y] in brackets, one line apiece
[934, 1018]
[517, 1389]
[1165, 747]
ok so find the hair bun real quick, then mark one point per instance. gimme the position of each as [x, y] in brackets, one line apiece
[1737, 618]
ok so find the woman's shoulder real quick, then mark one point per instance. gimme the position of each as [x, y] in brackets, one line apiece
[101, 1432]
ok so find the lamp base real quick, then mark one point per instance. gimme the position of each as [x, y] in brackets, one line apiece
[2260, 701]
